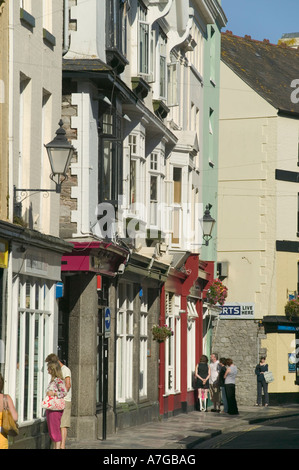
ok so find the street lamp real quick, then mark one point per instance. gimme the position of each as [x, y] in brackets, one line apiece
[207, 225]
[60, 152]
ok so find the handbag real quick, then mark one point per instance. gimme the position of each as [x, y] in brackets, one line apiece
[53, 403]
[268, 377]
[9, 426]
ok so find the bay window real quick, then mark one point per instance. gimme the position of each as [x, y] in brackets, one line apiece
[116, 25]
[110, 158]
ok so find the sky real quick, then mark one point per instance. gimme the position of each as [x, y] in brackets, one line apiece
[261, 19]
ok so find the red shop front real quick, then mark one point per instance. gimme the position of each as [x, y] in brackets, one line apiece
[182, 309]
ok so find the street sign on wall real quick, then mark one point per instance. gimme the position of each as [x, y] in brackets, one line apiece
[107, 322]
[237, 311]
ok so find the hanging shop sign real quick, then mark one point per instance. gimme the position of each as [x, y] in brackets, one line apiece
[237, 311]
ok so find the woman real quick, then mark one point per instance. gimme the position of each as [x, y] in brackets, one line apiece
[55, 388]
[203, 373]
[260, 369]
[222, 363]
[230, 387]
[3, 437]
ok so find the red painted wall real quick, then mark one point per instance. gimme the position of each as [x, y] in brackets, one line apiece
[182, 284]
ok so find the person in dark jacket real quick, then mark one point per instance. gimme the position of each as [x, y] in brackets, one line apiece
[260, 369]
[222, 363]
[203, 373]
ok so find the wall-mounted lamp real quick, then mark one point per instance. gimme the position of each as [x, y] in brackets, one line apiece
[60, 152]
[207, 225]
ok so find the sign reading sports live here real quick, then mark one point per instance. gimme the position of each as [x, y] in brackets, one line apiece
[236, 310]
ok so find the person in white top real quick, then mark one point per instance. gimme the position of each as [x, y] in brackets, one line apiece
[66, 417]
[214, 383]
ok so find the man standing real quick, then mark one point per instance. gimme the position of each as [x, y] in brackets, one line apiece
[66, 417]
[214, 383]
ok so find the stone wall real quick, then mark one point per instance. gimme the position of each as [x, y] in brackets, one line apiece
[240, 341]
[67, 203]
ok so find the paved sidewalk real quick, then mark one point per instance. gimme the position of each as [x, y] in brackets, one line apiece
[184, 431]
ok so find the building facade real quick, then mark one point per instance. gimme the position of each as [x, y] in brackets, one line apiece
[31, 249]
[257, 211]
[133, 94]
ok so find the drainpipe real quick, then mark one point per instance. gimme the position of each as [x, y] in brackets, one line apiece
[10, 110]
[66, 45]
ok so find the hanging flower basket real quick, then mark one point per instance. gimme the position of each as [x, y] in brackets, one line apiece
[217, 293]
[292, 309]
[161, 333]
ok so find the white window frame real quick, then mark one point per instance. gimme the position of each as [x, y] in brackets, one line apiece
[143, 69]
[162, 65]
[124, 343]
[156, 169]
[143, 344]
[173, 344]
[136, 142]
[172, 82]
[34, 304]
[191, 340]
[48, 15]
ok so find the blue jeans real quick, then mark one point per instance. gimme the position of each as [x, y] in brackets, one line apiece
[260, 387]
[224, 400]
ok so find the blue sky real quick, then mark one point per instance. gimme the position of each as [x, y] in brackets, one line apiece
[262, 19]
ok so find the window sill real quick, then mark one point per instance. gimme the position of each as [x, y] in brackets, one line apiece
[160, 108]
[140, 87]
[27, 19]
[116, 60]
[49, 38]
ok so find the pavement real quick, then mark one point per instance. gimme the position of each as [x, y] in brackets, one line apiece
[185, 431]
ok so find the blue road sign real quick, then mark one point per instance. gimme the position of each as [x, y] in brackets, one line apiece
[107, 322]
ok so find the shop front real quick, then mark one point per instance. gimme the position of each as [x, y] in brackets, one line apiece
[182, 311]
[90, 277]
[29, 276]
[280, 344]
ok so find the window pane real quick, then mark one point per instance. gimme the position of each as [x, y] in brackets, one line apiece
[143, 47]
[107, 170]
[133, 181]
[162, 77]
[108, 124]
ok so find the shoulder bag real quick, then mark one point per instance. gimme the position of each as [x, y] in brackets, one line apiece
[268, 377]
[9, 426]
[53, 403]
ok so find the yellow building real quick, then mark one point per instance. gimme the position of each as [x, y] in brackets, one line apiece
[258, 224]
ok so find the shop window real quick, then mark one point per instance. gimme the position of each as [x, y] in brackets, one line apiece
[34, 334]
[143, 344]
[124, 343]
[173, 344]
[191, 340]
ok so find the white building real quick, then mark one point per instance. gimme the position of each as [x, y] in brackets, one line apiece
[31, 249]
